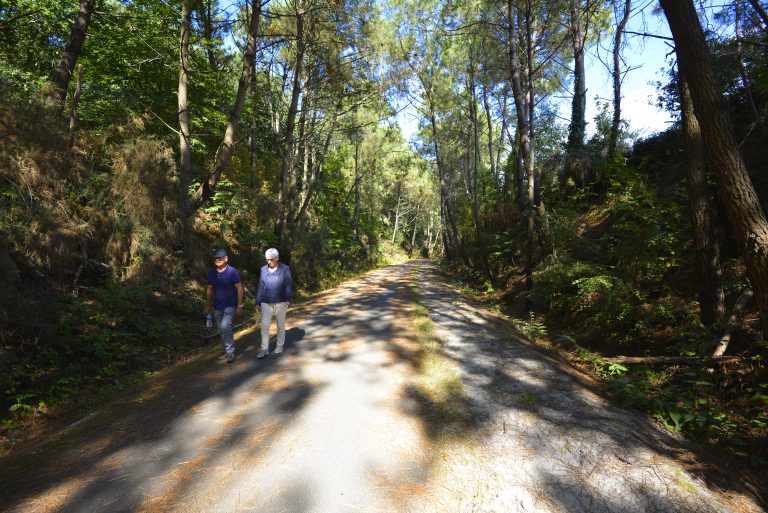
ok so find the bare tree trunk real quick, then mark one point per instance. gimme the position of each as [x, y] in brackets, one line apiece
[449, 246]
[224, 151]
[707, 254]
[429, 236]
[301, 155]
[309, 158]
[578, 126]
[185, 154]
[475, 172]
[760, 11]
[75, 102]
[206, 14]
[519, 93]
[317, 166]
[500, 147]
[742, 68]
[521, 89]
[445, 189]
[397, 214]
[613, 136]
[735, 187]
[274, 112]
[356, 185]
[415, 222]
[62, 73]
[254, 126]
[289, 126]
[489, 123]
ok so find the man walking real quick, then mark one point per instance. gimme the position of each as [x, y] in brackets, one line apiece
[274, 296]
[225, 293]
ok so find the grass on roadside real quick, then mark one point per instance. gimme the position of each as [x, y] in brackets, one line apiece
[439, 392]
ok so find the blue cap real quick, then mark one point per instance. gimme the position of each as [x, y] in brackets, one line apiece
[219, 253]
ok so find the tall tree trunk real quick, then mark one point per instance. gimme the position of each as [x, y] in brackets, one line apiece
[206, 14]
[429, 236]
[413, 234]
[742, 68]
[578, 126]
[760, 10]
[317, 166]
[253, 132]
[310, 154]
[489, 126]
[62, 73]
[613, 135]
[519, 92]
[445, 191]
[185, 153]
[356, 185]
[289, 126]
[397, 213]
[711, 296]
[224, 151]
[274, 112]
[475, 174]
[522, 92]
[448, 244]
[500, 147]
[301, 155]
[734, 185]
[75, 102]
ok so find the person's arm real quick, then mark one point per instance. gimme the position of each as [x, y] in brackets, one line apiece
[239, 287]
[208, 299]
[288, 283]
[260, 289]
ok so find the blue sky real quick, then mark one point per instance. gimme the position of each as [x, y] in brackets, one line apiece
[646, 56]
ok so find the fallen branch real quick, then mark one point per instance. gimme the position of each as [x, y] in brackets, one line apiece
[662, 360]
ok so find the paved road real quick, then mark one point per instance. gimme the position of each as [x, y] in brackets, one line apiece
[336, 424]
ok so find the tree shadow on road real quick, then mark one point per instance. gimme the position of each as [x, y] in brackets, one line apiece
[126, 457]
[153, 446]
[552, 412]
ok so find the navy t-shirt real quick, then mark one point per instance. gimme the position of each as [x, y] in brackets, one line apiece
[223, 283]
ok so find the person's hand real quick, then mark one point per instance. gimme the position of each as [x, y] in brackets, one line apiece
[239, 310]
[207, 310]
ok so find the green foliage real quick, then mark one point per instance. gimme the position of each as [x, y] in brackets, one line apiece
[646, 232]
[609, 268]
[532, 327]
[682, 402]
[102, 337]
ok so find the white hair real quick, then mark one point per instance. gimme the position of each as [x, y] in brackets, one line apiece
[271, 253]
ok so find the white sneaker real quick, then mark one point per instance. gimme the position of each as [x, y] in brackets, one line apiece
[263, 353]
[278, 350]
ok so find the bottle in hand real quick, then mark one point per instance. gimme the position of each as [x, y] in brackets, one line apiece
[209, 320]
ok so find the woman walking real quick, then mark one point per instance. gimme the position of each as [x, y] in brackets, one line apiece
[274, 296]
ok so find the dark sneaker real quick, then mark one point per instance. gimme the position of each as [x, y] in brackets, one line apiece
[230, 357]
[262, 354]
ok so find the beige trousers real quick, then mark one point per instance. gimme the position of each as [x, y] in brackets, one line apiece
[268, 310]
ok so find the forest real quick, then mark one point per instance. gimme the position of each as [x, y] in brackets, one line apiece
[138, 135]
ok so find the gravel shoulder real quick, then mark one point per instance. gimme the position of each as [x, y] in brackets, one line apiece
[545, 440]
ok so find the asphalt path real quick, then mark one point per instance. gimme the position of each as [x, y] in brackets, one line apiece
[337, 424]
